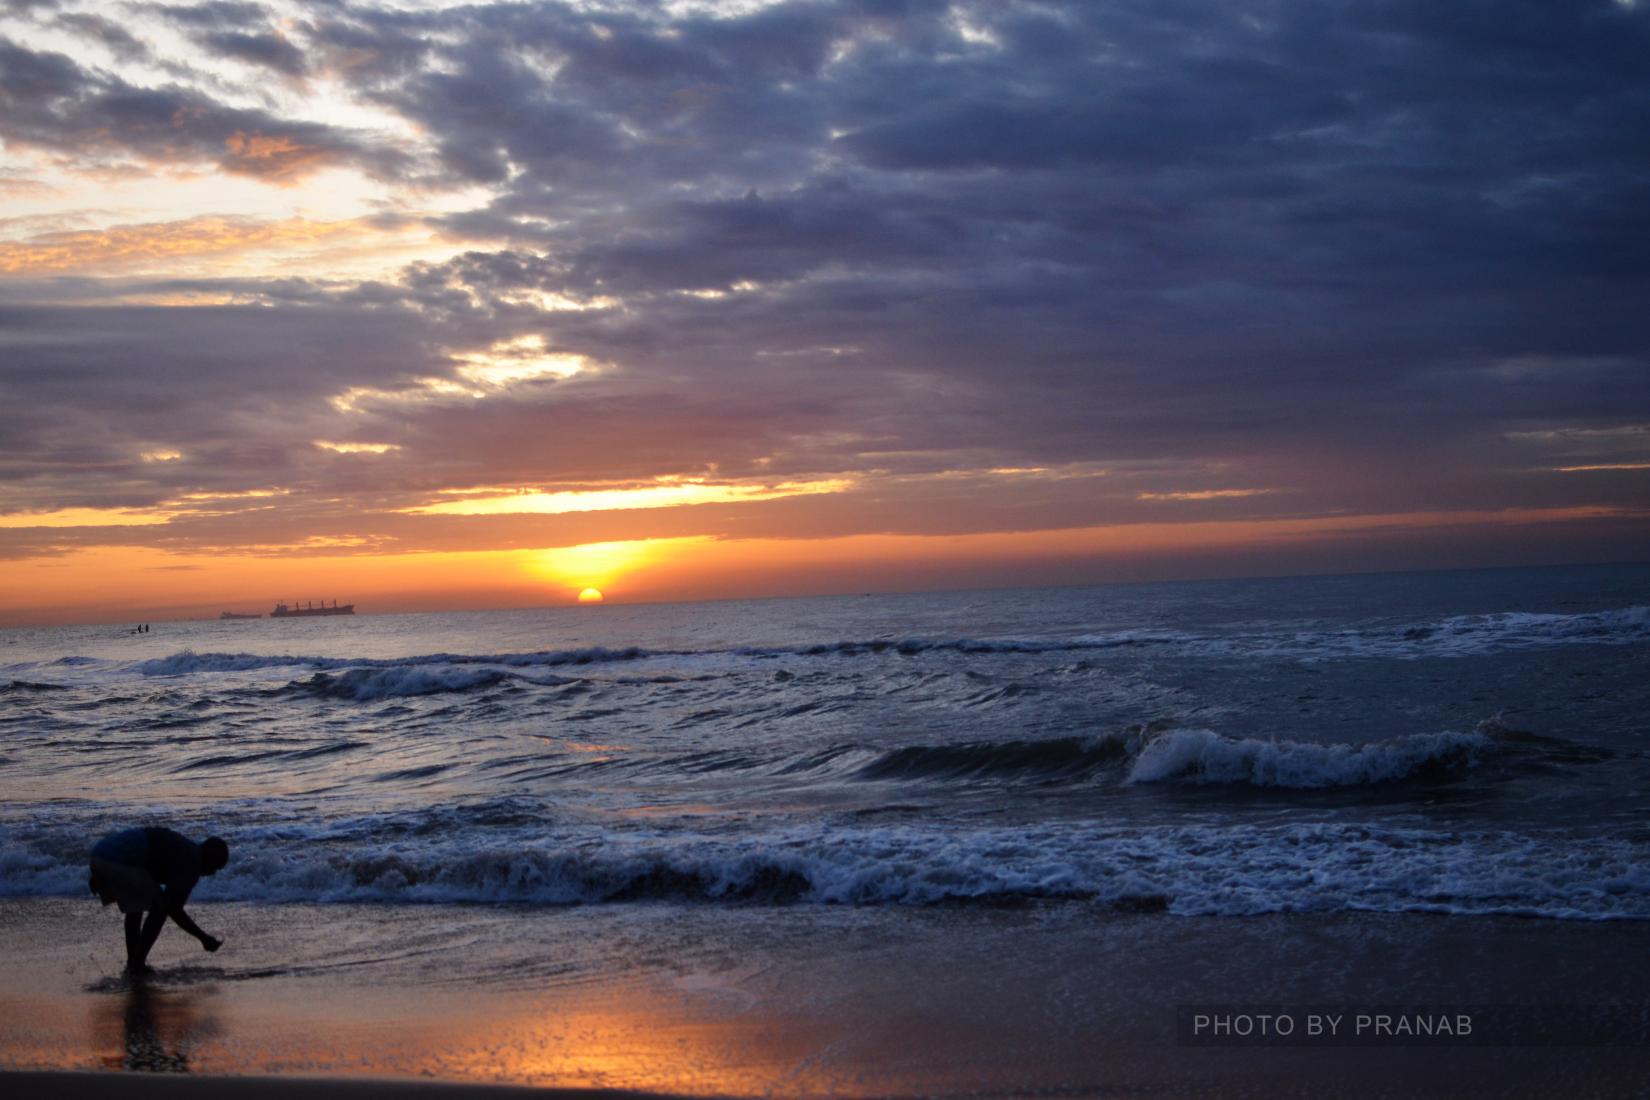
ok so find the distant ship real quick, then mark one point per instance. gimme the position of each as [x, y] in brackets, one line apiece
[282, 611]
[238, 615]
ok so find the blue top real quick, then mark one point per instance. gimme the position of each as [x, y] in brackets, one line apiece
[172, 859]
[127, 846]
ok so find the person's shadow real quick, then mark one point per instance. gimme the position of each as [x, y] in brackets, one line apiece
[157, 1030]
[145, 1049]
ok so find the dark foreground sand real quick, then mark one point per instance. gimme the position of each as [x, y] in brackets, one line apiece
[156, 1086]
[327, 1001]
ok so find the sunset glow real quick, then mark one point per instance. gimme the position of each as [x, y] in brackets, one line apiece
[596, 567]
[300, 294]
[484, 502]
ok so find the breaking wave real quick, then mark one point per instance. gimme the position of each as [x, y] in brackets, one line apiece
[1141, 755]
[1183, 870]
[16, 687]
[1203, 756]
[1064, 758]
[364, 685]
[1157, 753]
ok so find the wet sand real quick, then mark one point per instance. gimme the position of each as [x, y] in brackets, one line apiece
[789, 1001]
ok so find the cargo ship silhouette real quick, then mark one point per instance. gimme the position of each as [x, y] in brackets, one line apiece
[282, 611]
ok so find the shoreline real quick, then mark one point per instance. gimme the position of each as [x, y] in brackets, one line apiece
[658, 1000]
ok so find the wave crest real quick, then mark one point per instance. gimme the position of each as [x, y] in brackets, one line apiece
[18, 686]
[1160, 752]
[1185, 870]
[1203, 756]
[1064, 758]
[365, 685]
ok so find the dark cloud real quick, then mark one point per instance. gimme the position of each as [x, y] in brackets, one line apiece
[240, 390]
[120, 41]
[387, 47]
[243, 31]
[216, 14]
[48, 101]
[272, 51]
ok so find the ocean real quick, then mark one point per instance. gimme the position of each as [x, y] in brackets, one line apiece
[899, 768]
[1466, 743]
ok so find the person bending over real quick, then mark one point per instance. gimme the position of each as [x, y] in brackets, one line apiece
[152, 870]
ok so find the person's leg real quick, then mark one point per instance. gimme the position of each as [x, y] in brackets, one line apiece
[147, 937]
[134, 940]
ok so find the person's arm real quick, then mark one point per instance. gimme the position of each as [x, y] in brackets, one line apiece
[174, 909]
[181, 919]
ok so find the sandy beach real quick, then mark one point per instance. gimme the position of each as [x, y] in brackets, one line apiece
[1063, 1000]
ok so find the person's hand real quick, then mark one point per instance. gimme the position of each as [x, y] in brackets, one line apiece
[211, 943]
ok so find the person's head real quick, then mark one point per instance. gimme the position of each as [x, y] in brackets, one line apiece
[214, 855]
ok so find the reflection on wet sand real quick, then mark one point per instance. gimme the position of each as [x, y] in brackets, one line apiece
[797, 1001]
[154, 1030]
[648, 1040]
[694, 1035]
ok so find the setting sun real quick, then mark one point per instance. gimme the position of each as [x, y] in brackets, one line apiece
[595, 566]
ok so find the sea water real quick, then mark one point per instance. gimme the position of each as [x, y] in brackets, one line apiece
[1464, 743]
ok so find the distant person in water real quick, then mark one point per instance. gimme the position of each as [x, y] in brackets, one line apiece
[152, 870]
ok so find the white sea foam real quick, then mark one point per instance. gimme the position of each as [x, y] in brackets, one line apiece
[1203, 756]
[1187, 870]
[188, 662]
[367, 684]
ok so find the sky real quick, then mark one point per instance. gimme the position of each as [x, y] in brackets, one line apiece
[427, 306]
